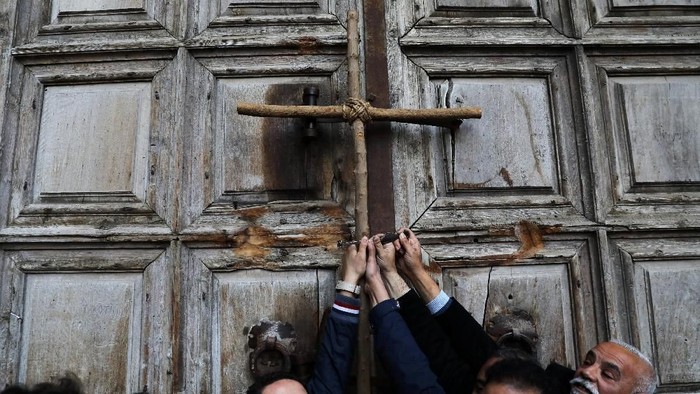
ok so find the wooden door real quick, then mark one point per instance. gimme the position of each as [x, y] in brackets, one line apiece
[573, 204]
[145, 226]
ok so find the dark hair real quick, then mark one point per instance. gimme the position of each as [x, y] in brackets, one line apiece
[265, 380]
[520, 374]
[68, 384]
[506, 352]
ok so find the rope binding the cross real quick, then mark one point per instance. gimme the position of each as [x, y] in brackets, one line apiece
[355, 108]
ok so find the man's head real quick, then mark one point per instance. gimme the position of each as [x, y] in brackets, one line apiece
[504, 353]
[614, 368]
[284, 386]
[277, 383]
[68, 384]
[515, 376]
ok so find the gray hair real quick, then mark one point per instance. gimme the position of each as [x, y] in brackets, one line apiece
[647, 382]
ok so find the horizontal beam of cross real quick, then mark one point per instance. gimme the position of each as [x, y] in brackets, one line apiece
[444, 117]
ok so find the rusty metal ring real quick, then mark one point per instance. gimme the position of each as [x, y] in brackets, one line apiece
[516, 336]
[267, 346]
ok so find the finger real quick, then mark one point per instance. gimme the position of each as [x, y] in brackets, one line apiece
[371, 252]
[377, 241]
[362, 247]
[403, 240]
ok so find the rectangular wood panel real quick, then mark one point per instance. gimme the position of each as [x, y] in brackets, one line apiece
[652, 3]
[269, 3]
[658, 120]
[108, 124]
[242, 299]
[264, 154]
[670, 291]
[89, 324]
[498, 151]
[87, 6]
[537, 298]
[490, 4]
[646, 159]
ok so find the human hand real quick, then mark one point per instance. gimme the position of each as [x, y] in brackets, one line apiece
[374, 285]
[409, 249]
[355, 262]
[386, 254]
[411, 264]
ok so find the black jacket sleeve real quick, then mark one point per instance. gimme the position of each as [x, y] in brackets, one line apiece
[468, 338]
[454, 375]
[406, 364]
[334, 359]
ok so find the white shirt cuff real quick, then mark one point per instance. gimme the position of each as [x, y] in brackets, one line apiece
[437, 303]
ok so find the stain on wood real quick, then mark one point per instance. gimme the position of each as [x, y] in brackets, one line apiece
[530, 238]
[529, 235]
[282, 147]
[307, 45]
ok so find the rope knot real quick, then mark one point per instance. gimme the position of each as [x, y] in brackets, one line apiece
[354, 109]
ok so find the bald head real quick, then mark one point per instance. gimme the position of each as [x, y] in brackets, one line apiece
[284, 386]
[614, 368]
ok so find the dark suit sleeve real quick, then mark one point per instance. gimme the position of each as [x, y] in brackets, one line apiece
[399, 353]
[468, 338]
[453, 373]
[334, 359]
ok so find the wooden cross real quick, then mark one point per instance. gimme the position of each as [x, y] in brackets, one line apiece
[358, 112]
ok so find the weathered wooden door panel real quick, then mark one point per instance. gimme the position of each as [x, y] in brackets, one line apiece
[646, 153]
[661, 277]
[242, 299]
[85, 154]
[540, 14]
[274, 16]
[233, 161]
[96, 312]
[225, 302]
[529, 294]
[94, 25]
[495, 280]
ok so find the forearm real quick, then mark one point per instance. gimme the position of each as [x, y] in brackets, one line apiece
[395, 284]
[424, 284]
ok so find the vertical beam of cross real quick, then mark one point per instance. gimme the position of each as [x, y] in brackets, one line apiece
[364, 352]
[358, 128]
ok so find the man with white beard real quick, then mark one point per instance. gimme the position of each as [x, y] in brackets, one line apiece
[614, 367]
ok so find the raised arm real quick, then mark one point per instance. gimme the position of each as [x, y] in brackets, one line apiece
[466, 335]
[406, 364]
[453, 374]
[334, 359]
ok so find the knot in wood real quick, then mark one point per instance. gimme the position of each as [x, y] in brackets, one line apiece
[354, 109]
